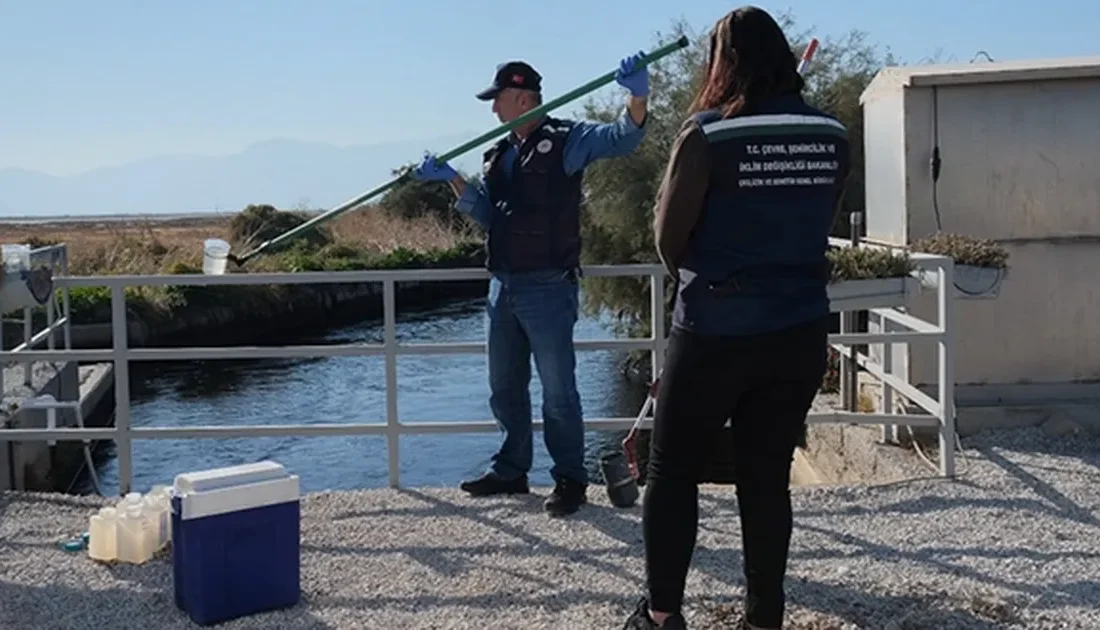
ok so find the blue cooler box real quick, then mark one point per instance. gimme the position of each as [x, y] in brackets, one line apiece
[235, 541]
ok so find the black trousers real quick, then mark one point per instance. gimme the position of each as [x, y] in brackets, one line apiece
[766, 384]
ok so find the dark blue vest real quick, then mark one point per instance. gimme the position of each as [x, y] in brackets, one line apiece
[756, 259]
[536, 220]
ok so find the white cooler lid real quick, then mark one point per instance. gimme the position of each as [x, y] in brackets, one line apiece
[233, 488]
[230, 476]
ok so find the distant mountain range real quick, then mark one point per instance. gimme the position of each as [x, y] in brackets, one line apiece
[283, 173]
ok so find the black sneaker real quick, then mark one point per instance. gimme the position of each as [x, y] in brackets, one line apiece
[567, 497]
[490, 484]
[640, 620]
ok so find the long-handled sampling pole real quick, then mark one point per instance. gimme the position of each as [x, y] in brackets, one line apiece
[592, 85]
[630, 442]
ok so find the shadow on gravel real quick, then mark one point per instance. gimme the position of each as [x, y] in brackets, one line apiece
[446, 559]
[1033, 440]
[1066, 507]
[947, 561]
[819, 606]
[954, 562]
[618, 525]
[559, 599]
[59, 607]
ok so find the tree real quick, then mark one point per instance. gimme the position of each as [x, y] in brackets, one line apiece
[619, 194]
[412, 198]
[257, 223]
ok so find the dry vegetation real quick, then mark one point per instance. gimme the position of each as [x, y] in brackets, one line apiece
[142, 246]
[964, 249]
[865, 263]
[363, 239]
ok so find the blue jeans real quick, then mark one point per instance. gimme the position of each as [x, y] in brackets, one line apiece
[534, 314]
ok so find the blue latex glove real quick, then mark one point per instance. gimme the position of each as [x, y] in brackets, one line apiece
[632, 75]
[432, 171]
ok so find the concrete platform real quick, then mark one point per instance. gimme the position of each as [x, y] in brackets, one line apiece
[29, 465]
[1014, 543]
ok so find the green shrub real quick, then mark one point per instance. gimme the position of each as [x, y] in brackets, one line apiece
[965, 250]
[258, 223]
[864, 263]
[182, 268]
[93, 304]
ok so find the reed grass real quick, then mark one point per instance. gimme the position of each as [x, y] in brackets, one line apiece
[364, 239]
[145, 246]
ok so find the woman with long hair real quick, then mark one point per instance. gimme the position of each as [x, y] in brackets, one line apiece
[742, 221]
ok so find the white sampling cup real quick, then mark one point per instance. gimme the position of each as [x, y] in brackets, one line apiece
[215, 253]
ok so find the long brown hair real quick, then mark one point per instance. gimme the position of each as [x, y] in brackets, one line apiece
[750, 60]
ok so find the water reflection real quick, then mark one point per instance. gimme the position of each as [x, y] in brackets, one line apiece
[445, 388]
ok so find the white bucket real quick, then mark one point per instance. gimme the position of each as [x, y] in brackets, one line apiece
[215, 253]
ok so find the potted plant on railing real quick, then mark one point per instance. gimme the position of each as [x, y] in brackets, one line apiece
[980, 264]
[868, 277]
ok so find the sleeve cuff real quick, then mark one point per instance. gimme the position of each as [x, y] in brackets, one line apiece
[466, 202]
[627, 121]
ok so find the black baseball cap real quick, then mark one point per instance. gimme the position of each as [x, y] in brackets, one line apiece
[513, 74]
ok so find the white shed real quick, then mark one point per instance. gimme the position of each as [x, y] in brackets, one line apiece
[1019, 144]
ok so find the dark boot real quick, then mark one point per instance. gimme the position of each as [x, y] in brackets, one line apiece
[567, 497]
[640, 620]
[490, 484]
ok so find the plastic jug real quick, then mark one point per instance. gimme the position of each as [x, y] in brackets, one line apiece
[215, 253]
[134, 530]
[103, 535]
[159, 512]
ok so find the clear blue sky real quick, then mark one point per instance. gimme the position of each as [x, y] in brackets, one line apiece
[89, 84]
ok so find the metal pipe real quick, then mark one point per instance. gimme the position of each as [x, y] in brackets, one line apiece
[850, 325]
[592, 85]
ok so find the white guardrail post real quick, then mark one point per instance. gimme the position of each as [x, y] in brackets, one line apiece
[946, 359]
[389, 336]
[657, 321]
[120, 344]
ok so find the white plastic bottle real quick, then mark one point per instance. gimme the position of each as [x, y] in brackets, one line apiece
[157, 510]
[103, 535]
[133, 529]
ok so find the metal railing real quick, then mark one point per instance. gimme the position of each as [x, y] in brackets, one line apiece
[896, 326]
[120, 354]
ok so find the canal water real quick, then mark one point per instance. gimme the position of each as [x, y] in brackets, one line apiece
[352, 389]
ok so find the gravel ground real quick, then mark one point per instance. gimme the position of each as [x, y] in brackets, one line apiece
[1014, 543]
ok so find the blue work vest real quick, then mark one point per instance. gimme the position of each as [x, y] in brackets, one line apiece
[536, 220]
[756, 259]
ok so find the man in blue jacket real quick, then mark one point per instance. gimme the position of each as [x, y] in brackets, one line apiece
[529, 204]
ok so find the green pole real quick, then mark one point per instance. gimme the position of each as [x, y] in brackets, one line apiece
[457, 151]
